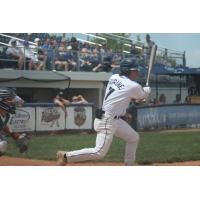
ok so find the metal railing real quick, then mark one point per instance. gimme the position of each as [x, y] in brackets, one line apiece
[86, 61]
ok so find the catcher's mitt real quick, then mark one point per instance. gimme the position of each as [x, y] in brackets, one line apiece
[22, 143]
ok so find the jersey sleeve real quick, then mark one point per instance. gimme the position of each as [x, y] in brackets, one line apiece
[138, 93]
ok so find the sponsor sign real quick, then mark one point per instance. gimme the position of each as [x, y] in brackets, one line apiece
[79, 117]
[168, 116]
[49, 118]
[23, 120]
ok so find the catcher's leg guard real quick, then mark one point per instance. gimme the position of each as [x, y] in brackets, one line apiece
[3, 147]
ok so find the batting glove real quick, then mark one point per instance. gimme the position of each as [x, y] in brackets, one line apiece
[147, 90]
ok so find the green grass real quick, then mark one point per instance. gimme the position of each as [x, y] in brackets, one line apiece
[153, 147]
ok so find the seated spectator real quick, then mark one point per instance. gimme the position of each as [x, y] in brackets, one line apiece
[74, 44]
[79, 99]
[41, 54]
[153, 101]
[178, 99]
[60, 62]
[133, 51]
[29, 55]
[85, 63]
[162, 99]
[105, 66]
[64, 59]
[86, 45]
[117, 57]
[187, 100]
[115, 67]
[72, 65]
[15, 53]
[95, 61]
[61, 101]
[50, 46]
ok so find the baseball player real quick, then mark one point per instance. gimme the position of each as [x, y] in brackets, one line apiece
[8, 102]
[121, 89]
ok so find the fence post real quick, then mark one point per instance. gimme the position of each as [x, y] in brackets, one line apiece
[184, 60]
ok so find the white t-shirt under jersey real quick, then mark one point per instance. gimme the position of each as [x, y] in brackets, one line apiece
[119, 92]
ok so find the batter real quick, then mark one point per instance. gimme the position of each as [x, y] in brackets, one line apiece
[121, 89]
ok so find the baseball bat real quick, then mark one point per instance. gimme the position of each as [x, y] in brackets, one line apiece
[151, 61]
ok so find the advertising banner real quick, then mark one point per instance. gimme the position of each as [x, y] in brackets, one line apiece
[50, 119]
[23, 120]
[168, 116]
[79, 117]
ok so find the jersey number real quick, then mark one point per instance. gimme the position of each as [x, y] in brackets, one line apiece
[111, 90]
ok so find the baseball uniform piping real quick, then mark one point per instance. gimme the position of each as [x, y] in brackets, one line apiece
[100, 148]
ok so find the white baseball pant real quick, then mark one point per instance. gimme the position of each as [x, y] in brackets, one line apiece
[106, 128]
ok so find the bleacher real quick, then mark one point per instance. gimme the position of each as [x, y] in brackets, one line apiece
[161, 59]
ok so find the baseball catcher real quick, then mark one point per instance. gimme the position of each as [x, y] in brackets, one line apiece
[120, 91]
[8, 102]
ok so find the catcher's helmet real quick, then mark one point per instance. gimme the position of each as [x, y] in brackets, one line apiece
[7, 94]
[127, 65]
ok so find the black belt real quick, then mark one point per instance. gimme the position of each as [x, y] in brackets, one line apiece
[100, 112]
[118, 117]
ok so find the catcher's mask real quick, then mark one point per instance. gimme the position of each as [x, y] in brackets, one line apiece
[9, 100]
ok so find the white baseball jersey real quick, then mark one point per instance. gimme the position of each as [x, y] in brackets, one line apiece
[119, 92]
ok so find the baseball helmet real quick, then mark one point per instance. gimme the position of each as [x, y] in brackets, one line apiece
[6, 93]
[6, 96]
[127, 65]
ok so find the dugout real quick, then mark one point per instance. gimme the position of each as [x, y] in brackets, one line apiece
[187, 78]
[42, 86]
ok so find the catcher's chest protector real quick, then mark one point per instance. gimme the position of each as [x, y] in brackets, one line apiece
[4, 121]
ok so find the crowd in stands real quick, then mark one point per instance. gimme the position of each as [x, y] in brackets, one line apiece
[48, 52]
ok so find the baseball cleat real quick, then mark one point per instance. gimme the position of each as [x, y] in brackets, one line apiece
[61, 158]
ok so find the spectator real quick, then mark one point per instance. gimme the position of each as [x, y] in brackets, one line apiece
[85, 63]
[79, 99]
[178, 99]
[60, 59]
[162, 99]
[96, 61]
[115, 67]
[15, 53]
[187, 100]
[41, 54]
[133, 51]
[61, 101]
[50, 46]
[30, 56]
[105, 66]
[74, 44]
[72, 65]
[148, 46]
[75, 48]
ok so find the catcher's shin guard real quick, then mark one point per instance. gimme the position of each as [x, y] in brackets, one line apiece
[3, 147]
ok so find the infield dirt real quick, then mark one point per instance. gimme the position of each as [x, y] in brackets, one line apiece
[11, 161]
